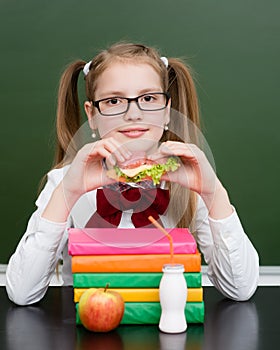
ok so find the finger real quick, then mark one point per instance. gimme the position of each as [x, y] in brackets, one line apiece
[105, 151]
[118, 151]
[157, 157]
[113, 152]
[168, 149]
[96, 152]
[162, 153]
[184, 150]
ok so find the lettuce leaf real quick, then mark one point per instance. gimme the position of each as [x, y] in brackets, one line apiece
[155, 172]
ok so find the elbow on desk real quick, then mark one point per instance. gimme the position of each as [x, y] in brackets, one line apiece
[237, 293]
[21, 299]
[247, 288]
[17, 299]
[19, 296]
[244, 293]
[239, 285]
[23, 289]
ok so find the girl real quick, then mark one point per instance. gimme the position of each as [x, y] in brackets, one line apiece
[130, 91]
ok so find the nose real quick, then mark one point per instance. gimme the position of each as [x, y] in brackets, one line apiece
[134, 112]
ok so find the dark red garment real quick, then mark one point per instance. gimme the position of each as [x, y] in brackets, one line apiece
[144, 202]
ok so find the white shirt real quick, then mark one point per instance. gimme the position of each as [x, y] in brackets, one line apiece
[233, 264]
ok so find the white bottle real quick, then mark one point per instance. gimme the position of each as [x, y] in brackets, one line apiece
[173, 296]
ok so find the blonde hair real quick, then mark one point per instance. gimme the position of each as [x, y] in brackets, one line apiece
[176, 79]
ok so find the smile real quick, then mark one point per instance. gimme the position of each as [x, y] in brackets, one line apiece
[134, 133]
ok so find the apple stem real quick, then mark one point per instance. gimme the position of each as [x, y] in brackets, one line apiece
[106, 287]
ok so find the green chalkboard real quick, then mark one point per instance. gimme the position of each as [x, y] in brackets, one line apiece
[234, 48]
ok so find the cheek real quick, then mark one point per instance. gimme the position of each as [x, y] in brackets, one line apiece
[157, 118]
[107, 125]
[157, 133]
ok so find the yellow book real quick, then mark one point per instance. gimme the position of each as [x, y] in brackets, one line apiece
[143, 294]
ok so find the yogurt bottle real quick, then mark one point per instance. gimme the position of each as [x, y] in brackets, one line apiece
[173, 295]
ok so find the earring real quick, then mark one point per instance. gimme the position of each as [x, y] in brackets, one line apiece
[93, 135]
[165, 127]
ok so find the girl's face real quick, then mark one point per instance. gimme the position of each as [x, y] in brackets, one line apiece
[136, 129]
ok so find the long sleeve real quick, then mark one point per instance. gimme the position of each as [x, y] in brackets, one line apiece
[233, 263]
[33, 263]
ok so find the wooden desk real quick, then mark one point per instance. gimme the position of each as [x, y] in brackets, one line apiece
[50, 325]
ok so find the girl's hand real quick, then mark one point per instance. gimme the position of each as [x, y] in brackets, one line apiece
[196, 174]
[87, 171]
[195, 171]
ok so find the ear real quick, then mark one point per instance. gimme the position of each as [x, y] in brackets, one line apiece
[167, 112]
[89, 109]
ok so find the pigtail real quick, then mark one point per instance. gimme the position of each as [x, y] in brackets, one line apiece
[69, 117]
[184, 98]
[184, 104]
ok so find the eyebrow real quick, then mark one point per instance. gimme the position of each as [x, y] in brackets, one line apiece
[121, 94]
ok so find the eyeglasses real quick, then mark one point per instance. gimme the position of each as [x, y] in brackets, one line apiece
[153, 101]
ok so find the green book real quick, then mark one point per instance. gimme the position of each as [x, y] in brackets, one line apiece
[149, 313]
[129, 280]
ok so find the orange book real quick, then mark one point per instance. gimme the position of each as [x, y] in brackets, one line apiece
[133, 263]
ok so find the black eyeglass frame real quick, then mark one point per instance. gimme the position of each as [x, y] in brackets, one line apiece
[131, 99]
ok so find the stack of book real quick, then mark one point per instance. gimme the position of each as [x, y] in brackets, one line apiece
[131, 262]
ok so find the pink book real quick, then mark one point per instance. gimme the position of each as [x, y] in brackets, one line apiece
[108, 241]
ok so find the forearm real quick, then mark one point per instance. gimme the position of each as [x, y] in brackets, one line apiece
[31, 267]
[218, 203]
[233, 264]
[235, 273]
[60, 204]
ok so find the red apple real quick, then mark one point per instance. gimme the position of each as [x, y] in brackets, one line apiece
[101, 310]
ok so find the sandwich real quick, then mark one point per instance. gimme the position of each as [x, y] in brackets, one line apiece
[141, 168]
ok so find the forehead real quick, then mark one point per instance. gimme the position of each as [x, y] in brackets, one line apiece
[127, 78]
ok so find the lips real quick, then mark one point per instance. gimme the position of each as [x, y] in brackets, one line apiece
[134, 132]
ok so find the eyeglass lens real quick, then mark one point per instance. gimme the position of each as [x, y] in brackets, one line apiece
[119, 105]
